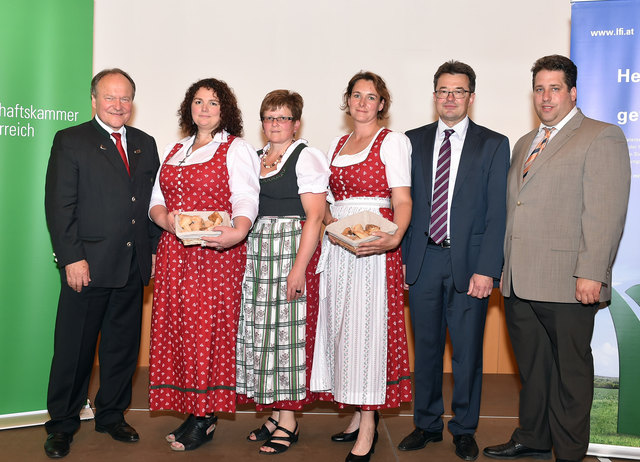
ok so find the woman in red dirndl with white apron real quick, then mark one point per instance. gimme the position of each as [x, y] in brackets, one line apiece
[361, 348]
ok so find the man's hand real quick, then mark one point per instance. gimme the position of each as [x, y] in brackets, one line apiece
[78, 275]
[588, 291]
[480, 286]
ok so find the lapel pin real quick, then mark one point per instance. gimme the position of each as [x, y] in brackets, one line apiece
[137, 151]
[102, 146]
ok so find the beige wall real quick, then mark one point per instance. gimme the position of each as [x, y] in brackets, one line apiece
[314, 48]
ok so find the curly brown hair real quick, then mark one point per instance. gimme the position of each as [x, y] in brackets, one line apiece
[230, 115]
[381, 88]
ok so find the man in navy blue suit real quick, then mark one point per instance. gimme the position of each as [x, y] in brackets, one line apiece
[453, 255]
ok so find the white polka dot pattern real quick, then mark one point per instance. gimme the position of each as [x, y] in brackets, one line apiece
[196, 300]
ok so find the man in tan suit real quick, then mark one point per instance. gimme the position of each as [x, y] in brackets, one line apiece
[567, 194]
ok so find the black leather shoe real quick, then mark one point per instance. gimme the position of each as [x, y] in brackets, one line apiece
[418, 439]
[57, 444]
[197, 434]
[120, 431]
[343, 437]
[178, 432]
[466, 447]
[513, 450]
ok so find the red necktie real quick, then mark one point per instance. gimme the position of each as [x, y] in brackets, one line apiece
[118, 138]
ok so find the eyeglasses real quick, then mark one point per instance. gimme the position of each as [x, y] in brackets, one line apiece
[458, 93]
[279, 119]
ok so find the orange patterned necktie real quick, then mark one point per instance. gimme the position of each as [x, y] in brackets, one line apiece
[118, 138]
[538, 149]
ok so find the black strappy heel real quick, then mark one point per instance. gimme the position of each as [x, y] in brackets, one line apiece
[263, 433]
[279, 448]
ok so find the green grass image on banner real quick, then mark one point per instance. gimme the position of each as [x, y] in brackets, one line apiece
[627, 327]
[604, 415]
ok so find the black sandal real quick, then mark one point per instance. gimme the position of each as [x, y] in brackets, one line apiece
[197, 434]
[263, 433]
[178, 432]
[277, 447]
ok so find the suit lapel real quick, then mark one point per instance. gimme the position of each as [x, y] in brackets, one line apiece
[554, 146]
[520, 157]
[427, 162]
[133, 151]
[107, 148]
[467, 156]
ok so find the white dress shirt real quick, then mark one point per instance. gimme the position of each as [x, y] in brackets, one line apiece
[122, 131]
[457, 141]
[557, 127]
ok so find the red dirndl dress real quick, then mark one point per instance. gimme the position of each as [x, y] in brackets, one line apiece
[196, 299]
[368, 179]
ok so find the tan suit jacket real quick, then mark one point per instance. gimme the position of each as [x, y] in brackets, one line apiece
[565, 220]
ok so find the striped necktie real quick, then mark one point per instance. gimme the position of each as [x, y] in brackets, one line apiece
[537, 150]
[440, 199]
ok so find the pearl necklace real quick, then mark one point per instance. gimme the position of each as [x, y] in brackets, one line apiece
[278, 159]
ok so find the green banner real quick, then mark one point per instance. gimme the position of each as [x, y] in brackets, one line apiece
[46, 53]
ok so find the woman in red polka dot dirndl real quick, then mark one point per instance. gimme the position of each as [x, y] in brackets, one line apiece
[197, 287]
[361, 355]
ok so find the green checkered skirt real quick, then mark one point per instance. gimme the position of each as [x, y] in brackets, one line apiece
[270, 354]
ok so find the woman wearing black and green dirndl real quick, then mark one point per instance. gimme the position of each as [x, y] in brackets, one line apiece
[279, 307]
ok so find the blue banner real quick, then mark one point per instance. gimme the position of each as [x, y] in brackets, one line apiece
[605, 45]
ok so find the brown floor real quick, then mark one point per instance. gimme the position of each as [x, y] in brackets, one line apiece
[498, 418]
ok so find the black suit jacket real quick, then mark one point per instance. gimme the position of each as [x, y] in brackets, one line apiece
[478, 208]
[95, 210]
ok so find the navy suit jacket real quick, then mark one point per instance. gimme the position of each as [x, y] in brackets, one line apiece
[95, 210]
[478, 207]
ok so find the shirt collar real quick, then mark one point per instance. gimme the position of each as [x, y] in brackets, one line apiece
[562, 123]
[291, 146]
[109, 130]
[221, 136]
[460, 129]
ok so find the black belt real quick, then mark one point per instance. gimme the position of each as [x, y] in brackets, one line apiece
[444, 244]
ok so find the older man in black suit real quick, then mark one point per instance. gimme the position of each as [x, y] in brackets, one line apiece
[97, 192]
